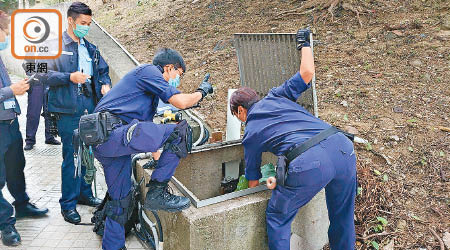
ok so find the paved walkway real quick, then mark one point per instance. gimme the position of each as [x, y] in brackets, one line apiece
[43, 179]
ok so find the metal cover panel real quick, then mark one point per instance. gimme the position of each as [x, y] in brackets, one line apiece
[267, 60]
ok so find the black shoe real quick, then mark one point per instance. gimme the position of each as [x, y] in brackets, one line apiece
[52, 141]
[71, 216]
[159, 198]
[10, 236]
[28, 147]
[30, 210]
[123, 248]
[90, 201]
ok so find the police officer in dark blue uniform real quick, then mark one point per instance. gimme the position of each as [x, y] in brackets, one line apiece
[12, 159]
[134, 100]
[36, 104]
[76, 80]
[279, 125]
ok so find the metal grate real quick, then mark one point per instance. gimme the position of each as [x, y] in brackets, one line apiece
[267, 60]
[47, 151]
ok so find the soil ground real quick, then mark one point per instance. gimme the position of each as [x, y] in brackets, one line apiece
[383, 75]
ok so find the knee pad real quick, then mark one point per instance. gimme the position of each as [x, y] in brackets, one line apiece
[126, 205]
[180, 140]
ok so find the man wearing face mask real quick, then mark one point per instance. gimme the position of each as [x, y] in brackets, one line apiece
[77, 80]
[132, 103]
[12, 159]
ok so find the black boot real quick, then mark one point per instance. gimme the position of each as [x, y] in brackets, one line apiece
[89, 201]
[159, 198]
[10, 236]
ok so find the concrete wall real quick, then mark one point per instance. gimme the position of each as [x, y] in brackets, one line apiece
[118, 61]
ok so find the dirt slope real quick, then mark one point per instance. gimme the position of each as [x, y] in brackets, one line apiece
[384, 74]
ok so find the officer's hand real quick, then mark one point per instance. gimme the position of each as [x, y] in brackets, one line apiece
[19, 88]
[205, 87]
[303, 38]
[78, 77]
[105, 89]
[253, 183]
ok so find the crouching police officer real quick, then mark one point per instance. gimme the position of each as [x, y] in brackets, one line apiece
[12, 159]
[76, 80]
[313, 154]
[130, 106]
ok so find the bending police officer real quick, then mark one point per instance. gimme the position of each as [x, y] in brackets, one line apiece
[279, 125]
[134, 100]
[76, 80]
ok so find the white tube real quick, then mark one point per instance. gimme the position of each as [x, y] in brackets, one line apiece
[233, 123]
[360, 140]
[316, 109]
[153, 228]
[200, 138]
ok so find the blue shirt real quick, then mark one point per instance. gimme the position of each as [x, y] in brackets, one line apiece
[137, 94]
[276, 123]
[7, 99]
[84, 59]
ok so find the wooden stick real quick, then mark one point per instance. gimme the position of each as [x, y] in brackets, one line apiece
[441, 243]
[446, 129]
[373, 235]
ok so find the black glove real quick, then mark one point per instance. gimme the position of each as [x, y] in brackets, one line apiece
[303, 38]
[150, 164]
[205, 87]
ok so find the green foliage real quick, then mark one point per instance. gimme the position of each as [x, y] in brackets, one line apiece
[242, 184]
[359, 191]
[382, 220]
[377, 172]
[423, 161]
[8, 5]
[385, 178]
[379, 227]
[375, 245]
[369, 146]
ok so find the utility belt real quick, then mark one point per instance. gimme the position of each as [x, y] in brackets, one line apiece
[94, 129]
[284, 160]
[8, 122]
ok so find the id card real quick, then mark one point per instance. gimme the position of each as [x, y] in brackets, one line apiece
[10, 103]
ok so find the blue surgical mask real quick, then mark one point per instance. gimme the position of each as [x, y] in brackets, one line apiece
[175, 82]
[4, 45]
[81, 30]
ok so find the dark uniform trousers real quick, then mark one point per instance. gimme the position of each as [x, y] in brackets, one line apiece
[34, 108]
[72, 185]
[12, 164]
